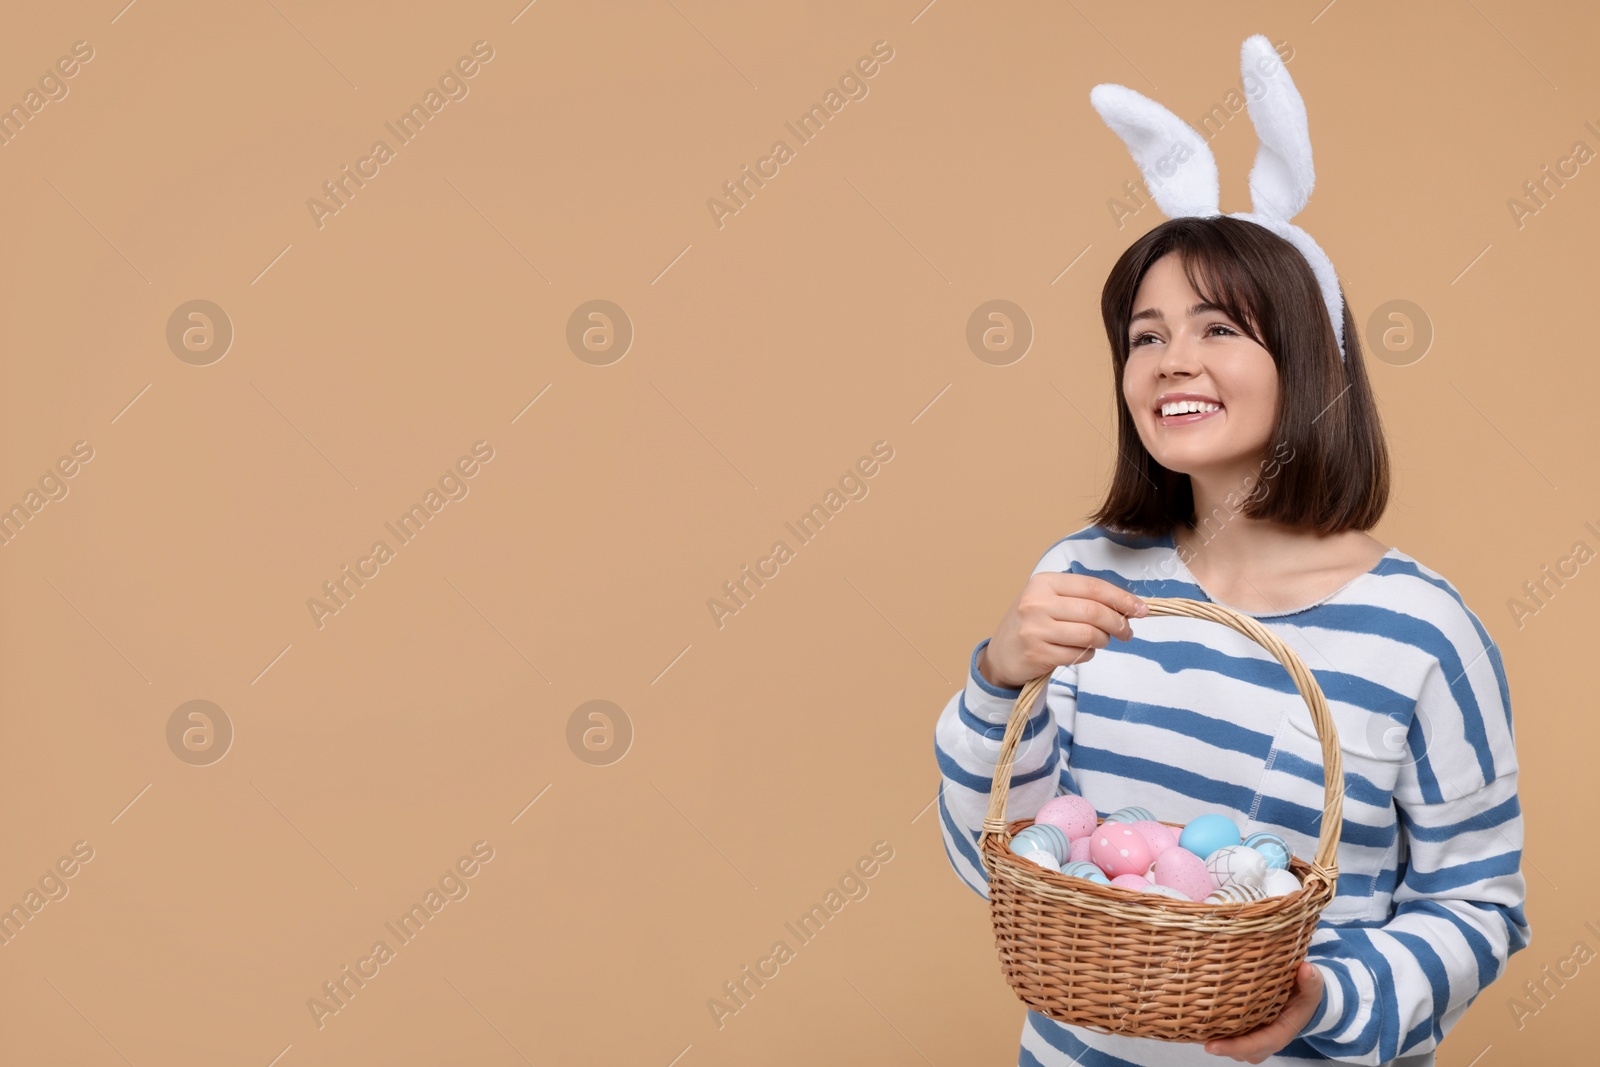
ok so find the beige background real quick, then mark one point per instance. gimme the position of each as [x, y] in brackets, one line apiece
[768, 755]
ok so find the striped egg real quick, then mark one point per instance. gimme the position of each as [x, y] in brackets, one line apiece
[1236, 893]
[1131, 815]
[1087, 870]
[1021, 846]
[1050, 838]
[1273, 849]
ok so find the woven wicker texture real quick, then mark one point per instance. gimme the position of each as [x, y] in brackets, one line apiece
[1121, 961]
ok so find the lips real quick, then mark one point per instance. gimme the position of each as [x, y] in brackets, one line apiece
[1185, 419]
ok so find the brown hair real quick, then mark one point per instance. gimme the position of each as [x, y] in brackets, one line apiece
[1337, 475]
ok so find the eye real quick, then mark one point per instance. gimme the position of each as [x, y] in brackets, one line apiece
[1144, 338]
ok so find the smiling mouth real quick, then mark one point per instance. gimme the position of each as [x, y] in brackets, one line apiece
[1187, 417]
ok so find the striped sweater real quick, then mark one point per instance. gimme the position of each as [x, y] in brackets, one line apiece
[1191, 717]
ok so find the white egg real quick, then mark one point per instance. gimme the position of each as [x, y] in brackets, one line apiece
[1043, 859]
[1163, 890]
[1236, 865]
[1280, 883]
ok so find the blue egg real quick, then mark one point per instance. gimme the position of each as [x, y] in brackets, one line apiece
[1274, 849]
[1085, 869]
[1205, 835]
[1131, 815]
[1051, 839]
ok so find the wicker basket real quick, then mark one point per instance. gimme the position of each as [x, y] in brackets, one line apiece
[1121, 961]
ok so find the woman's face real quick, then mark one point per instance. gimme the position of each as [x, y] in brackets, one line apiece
[1179, 346]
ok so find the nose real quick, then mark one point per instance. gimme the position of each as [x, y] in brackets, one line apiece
[1178, 356]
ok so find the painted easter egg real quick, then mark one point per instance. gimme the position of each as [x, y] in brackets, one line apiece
[1279, 882]
[1274, 849]
[1236, 865]
[1086, 870]
[1158, 835]
[1130, 815]
[1080, 851]
[1131, 881]
[1235, 894]
[1117, 848]
[1043, 859]
[1206, 834]
[1073, 814]
[1021, 845]
[1163, 890]
[1050, 838]
[1180, 869]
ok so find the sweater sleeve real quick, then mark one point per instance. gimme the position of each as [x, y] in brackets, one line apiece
[1395, 988]
[967, 744]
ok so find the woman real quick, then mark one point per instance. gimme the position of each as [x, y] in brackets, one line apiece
[1251, 464]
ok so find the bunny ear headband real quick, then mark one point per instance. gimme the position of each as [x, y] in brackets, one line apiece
[1181, 172]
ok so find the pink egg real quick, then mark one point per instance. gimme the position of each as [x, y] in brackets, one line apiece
[1131, 881]
[1159, 836]
[1180, 869]
[1080, 851]
[1073, 814]
[1117, 848]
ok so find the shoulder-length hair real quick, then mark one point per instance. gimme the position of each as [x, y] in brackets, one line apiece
[1332, 463]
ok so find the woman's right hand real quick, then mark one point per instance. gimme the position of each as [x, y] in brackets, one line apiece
[1059, 619]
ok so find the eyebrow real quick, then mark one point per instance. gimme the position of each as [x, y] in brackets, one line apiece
[1155, 313]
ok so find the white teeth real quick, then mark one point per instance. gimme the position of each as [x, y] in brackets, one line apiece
[1184, 407]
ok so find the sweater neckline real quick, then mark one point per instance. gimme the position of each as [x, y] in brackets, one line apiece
[1171, 541]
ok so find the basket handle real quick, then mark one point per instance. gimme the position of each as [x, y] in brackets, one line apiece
[1324, 864]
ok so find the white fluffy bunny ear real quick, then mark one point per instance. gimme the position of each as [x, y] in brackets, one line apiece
[1176, 162]
[1281, 180]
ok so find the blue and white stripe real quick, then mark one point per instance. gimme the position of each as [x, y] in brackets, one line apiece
[1191, 717]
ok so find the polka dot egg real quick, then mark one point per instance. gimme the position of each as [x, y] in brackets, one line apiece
[1117, 848]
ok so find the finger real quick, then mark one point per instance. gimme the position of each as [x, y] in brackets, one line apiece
[1092, 588]
[1068, 655]
[1096, 616]
[1074, 634]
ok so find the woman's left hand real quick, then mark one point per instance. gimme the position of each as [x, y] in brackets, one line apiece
[1258, 1044]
